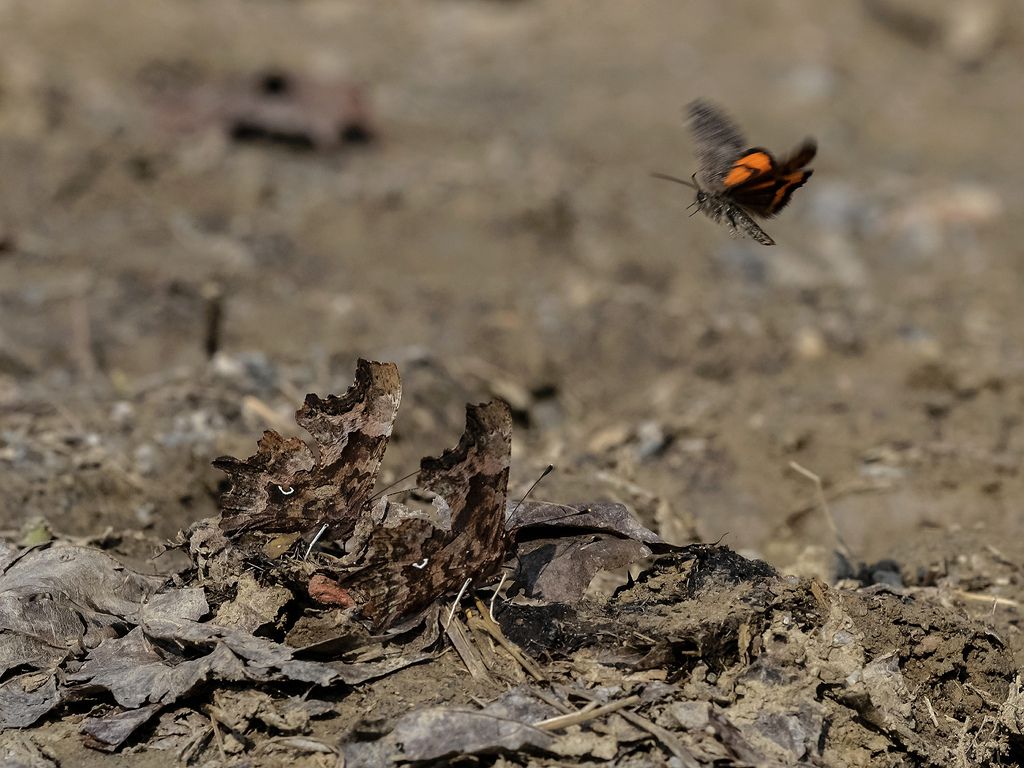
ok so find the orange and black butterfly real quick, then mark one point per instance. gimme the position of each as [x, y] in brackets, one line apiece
[734, 182]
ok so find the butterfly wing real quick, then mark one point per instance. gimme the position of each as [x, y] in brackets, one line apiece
[718, 143]
[800, 156]
[352, 432]
[764, 186]
[283, 488]
[409, 564]
[751, 168]
[767, 199]
[473, 478]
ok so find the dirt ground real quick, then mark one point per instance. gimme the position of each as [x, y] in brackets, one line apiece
[464, 189]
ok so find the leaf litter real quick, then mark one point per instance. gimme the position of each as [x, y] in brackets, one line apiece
[315, 617]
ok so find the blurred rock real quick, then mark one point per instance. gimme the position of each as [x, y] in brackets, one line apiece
[608, 438]
[651, 439]
[969, 31]
[122, 413]
[925, 219]
[809, 343]
[974, 29]
[249, 368]
[145, 459]
[274, 107]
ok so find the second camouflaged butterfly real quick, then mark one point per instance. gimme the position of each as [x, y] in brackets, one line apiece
[733, 182]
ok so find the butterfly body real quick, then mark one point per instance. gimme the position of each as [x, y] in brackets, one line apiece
[722, 210]
[733, 182]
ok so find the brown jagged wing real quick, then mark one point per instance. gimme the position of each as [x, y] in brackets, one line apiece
[282, 488]
[409, 563]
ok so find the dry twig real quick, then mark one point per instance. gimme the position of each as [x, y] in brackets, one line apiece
[589, 712]
[481, 620]
[823, 502]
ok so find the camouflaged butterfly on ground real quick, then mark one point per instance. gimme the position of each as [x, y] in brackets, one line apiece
[285, 489]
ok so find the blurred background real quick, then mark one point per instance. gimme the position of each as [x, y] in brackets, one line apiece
[209, 209]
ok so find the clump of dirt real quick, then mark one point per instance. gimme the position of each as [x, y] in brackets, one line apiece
[841, 676]
[706, 657]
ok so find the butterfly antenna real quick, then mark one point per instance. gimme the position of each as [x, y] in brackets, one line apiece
[545, 473]
[384, 490]
[676, 179]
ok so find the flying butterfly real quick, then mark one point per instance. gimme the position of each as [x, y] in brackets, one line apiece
[733, 182]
